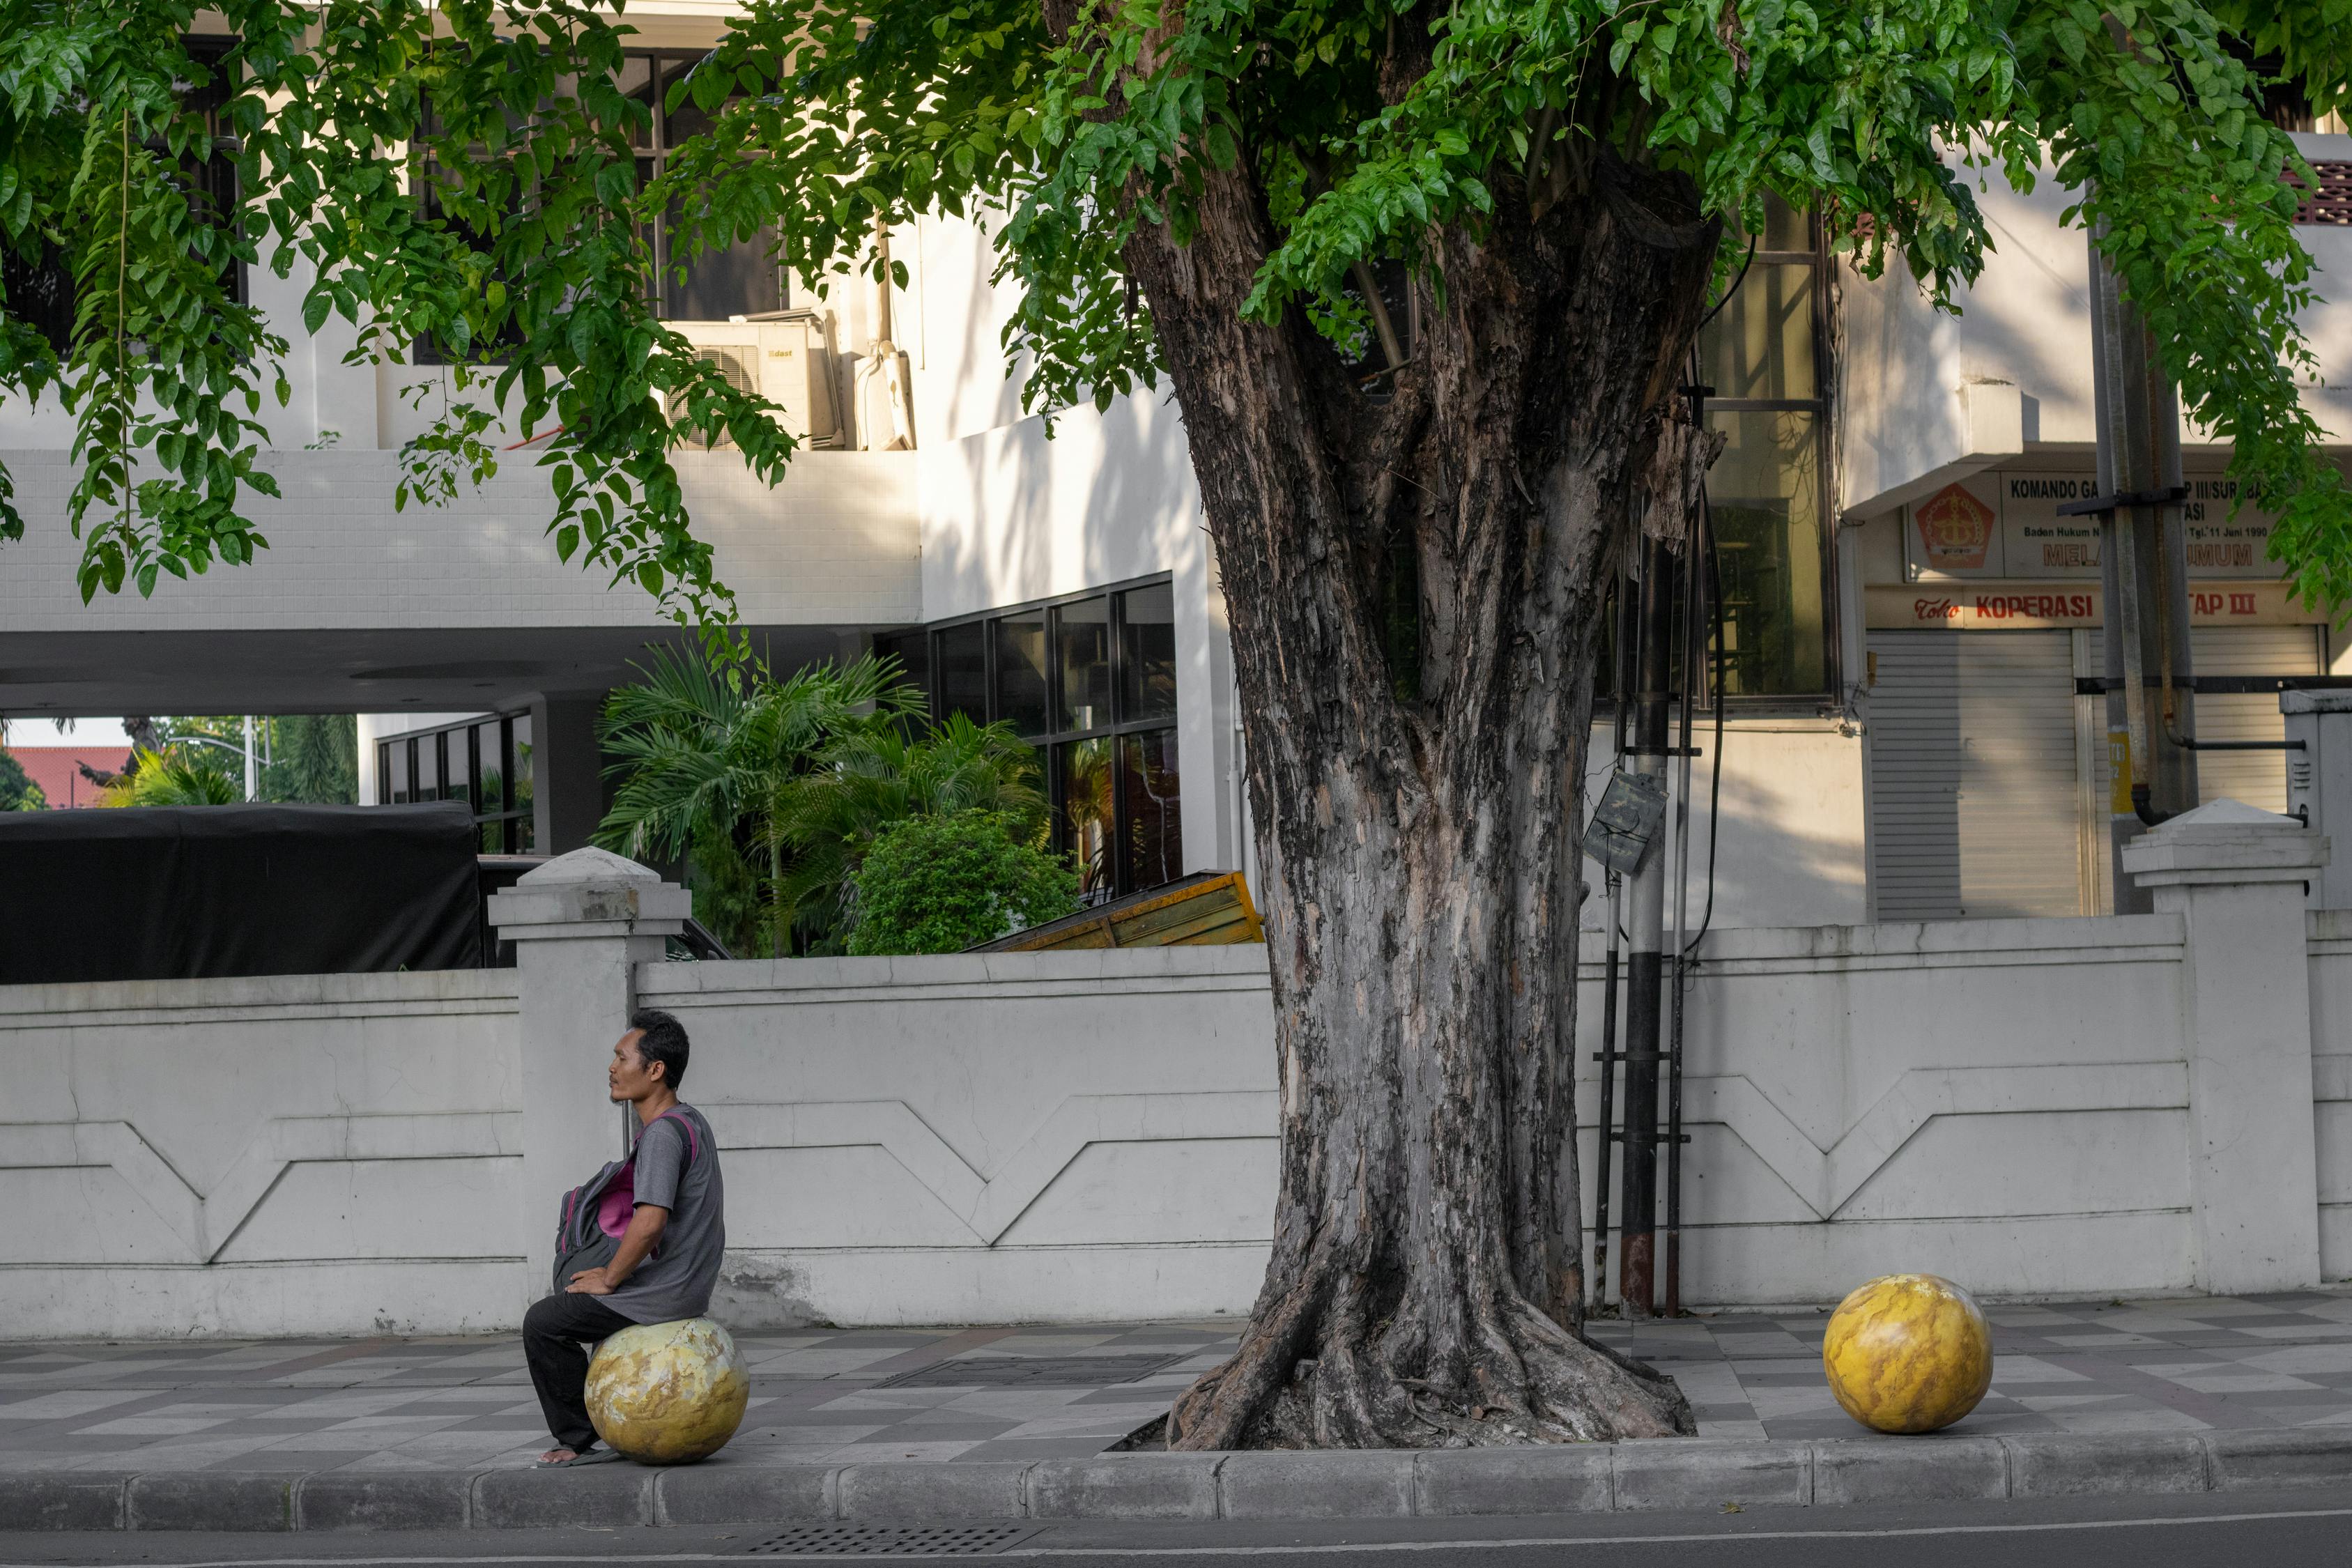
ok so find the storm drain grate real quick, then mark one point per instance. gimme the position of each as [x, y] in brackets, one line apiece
[1033, 1371]
[893, 1541]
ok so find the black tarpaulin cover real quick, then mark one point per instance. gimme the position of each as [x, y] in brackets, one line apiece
[191, 892]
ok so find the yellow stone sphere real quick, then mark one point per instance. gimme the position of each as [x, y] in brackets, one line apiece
[668, 1394]
[1908, 1352]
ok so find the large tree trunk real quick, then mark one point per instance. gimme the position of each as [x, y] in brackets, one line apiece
[1418, 826]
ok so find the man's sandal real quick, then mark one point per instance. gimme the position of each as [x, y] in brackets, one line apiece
[592, 1457]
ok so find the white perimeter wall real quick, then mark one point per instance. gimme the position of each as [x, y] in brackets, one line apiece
[1024, 1137]
[2331, 1078]
[987, 1139]
[304, 1154]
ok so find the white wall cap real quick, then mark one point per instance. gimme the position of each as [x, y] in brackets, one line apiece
[2315, 701]
[588, 864]
[2227, 841]
[2222, 813]
[590, 893]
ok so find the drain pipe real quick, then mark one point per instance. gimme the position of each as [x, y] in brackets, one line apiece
[1693, 682]
[1645, 940]
[2124, 531]
[1620, 650]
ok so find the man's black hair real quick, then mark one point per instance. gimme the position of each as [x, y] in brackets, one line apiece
[661, 1039]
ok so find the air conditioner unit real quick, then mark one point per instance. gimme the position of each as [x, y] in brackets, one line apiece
[786, 358]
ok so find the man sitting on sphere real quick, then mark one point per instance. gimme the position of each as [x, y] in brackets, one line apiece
[669, 1253]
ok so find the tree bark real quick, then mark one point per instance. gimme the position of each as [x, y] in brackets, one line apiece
[1418, 827]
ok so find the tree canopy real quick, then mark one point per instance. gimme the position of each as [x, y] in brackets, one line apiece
[1366, 127]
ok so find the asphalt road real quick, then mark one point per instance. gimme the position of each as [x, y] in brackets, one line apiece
[2271, 1529]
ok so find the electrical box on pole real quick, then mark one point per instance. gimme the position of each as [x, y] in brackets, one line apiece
[2319, 781]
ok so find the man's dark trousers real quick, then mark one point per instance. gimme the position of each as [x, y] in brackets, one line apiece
[552, 1334]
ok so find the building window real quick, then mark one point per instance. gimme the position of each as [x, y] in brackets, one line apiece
[40, 285]
[474, 218]
[208, 168]
[486, 762]
[1763, 355]
[1090, 681]
[741, 279]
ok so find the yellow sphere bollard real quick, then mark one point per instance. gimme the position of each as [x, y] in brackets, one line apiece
[668, 1394]
[1908, 1352]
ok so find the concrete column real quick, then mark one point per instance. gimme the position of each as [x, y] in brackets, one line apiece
[567, 773]
[580, 925]
[2235, 876]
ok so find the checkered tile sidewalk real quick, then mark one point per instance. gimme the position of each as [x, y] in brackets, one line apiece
[436, 1404]
[2177, 1364]
[829, 1396]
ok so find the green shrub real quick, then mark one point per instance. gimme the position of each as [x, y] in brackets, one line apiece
[18, 790]
[181, 776]
[938, 884]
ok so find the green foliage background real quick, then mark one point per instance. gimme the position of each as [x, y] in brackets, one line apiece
[17, 791]
[775, 790]
[939, 884]
[183, 776]
[309, 758]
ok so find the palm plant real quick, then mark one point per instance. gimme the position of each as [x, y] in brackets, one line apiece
[868, 778]
[702, 749]
[180, 776]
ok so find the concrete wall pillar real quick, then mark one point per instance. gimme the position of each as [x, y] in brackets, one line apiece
[580, 925]
[2236, 876]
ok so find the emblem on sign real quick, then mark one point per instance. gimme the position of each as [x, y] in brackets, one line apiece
[1955, 530]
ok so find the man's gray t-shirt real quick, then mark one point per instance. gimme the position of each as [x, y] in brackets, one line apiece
[675, 1280]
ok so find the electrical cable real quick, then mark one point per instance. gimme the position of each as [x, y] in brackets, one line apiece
[1738, 279]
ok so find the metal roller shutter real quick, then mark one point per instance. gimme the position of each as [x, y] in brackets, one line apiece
[1915, 776]
[2257, 778]
[2020, 821]
[1974, 799]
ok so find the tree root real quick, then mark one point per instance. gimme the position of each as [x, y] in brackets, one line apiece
[1514, 1377]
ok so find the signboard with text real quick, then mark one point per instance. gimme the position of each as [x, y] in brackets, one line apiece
[2006, 524]
[2033, 606]
[2039, 541]
[2218, 544]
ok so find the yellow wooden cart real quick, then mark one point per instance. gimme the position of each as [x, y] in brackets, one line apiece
[1205, 909]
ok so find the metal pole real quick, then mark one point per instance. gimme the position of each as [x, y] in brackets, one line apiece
[250, 792]
[1620, 653]
[1645, 940]
[1693, 683]
[2143, 562]
[1607, 1056]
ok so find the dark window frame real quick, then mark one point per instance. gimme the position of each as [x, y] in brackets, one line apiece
[665, 66]
[1050, 742]
[423, 351]
[1826, 700]
[214, 177]
[655, 150]
[41, 291]
[1818, 258]
[508, 816]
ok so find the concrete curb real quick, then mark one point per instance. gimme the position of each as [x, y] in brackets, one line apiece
[1665, 1473]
